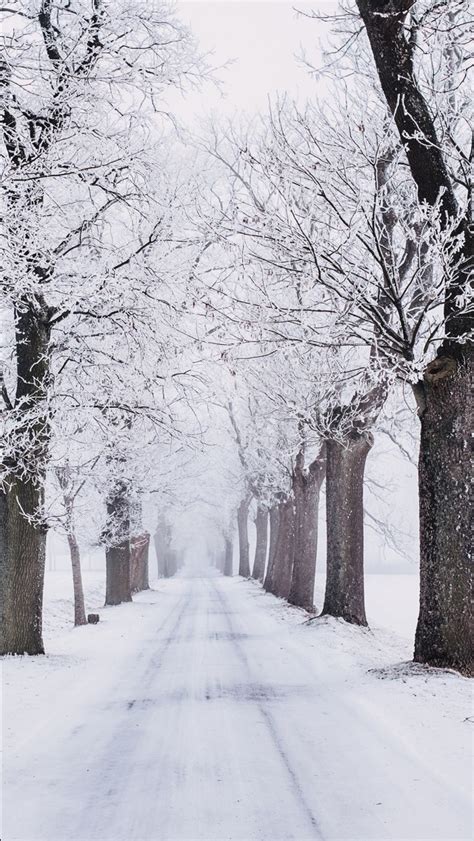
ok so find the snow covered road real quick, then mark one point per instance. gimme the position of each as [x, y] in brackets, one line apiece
[207, 710]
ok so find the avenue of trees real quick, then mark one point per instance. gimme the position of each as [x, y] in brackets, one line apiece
[213, 329]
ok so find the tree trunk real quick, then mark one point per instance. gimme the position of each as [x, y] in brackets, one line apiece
[165, 557]
[284, 551]
[24, 553]
[242, 522]
[24, 537]
[344, 595]
[306, 488]
[261, 522]
[117, 553]
[157, 539]
[117, 560]
[139, 548]
[79, 606]
[229, 557]
[64, 480]
[274, 518]
[444, 631]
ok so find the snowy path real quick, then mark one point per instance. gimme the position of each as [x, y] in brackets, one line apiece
[206, 713]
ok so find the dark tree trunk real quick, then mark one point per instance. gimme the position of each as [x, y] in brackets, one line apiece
[79, 606]
[117, 553]
[344, 595]
[25, 538]
[24, 560]
[284, 551]
[139, 548]
[306, 489]
[261, 523]
[444, 631]
[3, 558]
[117, 560]
[229, 557]
[274, 518]
[242, 522]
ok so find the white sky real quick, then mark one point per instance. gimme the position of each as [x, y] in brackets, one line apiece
[262, 40]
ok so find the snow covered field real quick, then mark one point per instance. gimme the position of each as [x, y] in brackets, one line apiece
[211, 710]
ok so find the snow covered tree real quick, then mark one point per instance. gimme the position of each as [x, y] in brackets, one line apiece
[433, 125]
[80, 84]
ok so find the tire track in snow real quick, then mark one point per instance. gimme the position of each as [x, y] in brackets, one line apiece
[235, 638]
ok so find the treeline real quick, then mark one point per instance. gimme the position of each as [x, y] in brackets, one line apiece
[287, 283]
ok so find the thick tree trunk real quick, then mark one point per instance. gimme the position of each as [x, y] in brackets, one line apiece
[261, 523]
[24, 553]
[139, 549]
[229, 557]
[3, 557]
[444, 630]
[24, 537]
[344, 595]
[242, 522]
[284, 551]
[274, 518]
[117, 553]
[79, 606]
[306, 488]
[117, 560]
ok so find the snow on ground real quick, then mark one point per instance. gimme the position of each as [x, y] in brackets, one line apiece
[208, 709]
[58, 612]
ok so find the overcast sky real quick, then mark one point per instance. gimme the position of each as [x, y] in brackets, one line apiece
[262, 41]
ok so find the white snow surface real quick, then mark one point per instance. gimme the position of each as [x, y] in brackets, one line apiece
[210, 710]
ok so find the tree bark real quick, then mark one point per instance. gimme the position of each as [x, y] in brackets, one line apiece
[242, 522]
[306, 489]
[261, 523]
[117, 553]
[24, 553]
[284, 551]
[139, 549]
[274, 518]
[24, 535]
[344, 595]
[79, 606]
[229, 557]
[444, 630]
